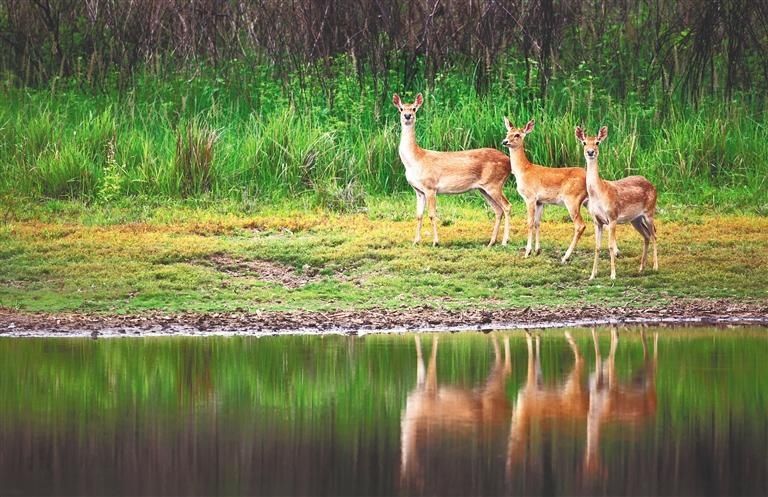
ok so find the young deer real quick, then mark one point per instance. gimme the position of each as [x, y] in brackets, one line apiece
[430, 173]
[540, 185]
[631, 199]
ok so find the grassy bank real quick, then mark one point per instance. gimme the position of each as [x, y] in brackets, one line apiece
[246, 137]
[65, 256]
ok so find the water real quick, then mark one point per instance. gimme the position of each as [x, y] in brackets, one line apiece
[462, 414]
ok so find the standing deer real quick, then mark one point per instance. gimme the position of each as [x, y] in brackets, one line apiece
[628, 200]
[540, 185]
[430, 173]
[612, 401]
[433, 410]
[564, 405]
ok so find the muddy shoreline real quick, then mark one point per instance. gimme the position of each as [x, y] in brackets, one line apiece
[689, 312]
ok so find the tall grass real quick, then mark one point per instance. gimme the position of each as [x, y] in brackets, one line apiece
[175, 137]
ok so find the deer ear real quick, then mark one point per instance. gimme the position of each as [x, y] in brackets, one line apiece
[529, 127]
[579, 134]
[419, 100]
[507, 123]
[602, 134]
[396, 101]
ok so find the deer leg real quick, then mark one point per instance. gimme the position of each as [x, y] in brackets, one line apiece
[538, 360]
[420, 371]
[612, 359]
[612, 247]
[598, 242]
[432, 209]
[642, 228]
[537, 223]
[505, 207]
[497, 194]
[531, 220]
[598, 359]
[496, 351]
[572, 344]
[432, 368]
[421, 202]
[578, 229]
[652, 228]
[507, 355]
[531, 378]
[497, 210]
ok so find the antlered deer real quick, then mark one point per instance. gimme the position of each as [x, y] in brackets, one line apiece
[628, 200]
[430, 172]
[540, 185]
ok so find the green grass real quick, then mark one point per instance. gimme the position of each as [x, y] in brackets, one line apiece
[68, 256]
[250, 138]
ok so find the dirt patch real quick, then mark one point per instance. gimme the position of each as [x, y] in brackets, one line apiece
[267, 271]
[703, 312]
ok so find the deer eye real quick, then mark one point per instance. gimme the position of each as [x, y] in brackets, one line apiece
[517, 135]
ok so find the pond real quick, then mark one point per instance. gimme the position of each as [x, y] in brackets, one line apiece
[643, 411]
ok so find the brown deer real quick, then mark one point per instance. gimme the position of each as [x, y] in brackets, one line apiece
[430, 173]
[540, 185]
[432, 410]
[565, 404]
[628, 200]
[627, 403]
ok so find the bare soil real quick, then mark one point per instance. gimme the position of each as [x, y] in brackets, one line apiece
[267, 271]
[702, 312]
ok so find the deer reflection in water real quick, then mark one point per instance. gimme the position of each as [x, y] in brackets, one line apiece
[564, 405]
[433, 410]
[628, 403]
[542, 412]
[571, 404]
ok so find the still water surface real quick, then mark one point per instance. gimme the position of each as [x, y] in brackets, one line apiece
[664, 412]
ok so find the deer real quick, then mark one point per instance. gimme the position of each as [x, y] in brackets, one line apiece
[430, 172]
[581, 406]
[628, 200]
[565, 404]
[539, 186]
[610, 400]
[432, 409]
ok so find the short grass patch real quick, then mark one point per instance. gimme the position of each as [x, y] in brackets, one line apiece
[217, 258]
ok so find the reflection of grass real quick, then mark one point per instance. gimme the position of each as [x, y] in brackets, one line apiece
[704, 377]
[64, 256]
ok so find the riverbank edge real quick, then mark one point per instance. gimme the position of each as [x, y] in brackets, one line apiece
[712, 312]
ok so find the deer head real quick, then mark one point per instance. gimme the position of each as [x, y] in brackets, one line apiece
[591, 143]
[407, 111]
[515, 136]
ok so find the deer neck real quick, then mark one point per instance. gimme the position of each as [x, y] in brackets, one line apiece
[518, 160]
[409, 149]
[593, 174]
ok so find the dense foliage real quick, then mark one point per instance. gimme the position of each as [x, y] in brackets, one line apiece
[225, 99]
